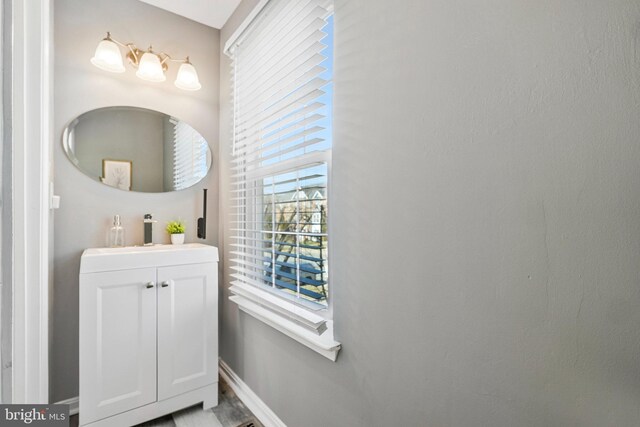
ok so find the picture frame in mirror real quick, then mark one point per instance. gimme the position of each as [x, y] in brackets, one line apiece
[117, 173]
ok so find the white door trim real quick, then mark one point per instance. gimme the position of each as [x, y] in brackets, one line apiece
[31, 127]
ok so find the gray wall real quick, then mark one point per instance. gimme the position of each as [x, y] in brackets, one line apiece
[88, 206]
[485, 221]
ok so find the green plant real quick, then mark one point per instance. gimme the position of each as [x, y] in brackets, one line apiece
[175, 227]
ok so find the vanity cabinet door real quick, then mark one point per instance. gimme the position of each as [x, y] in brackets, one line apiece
[117, 342]
[187, 328]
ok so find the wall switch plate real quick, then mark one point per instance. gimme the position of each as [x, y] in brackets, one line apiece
[54, 201]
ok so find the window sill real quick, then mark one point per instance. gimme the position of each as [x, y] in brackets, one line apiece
[286, 318]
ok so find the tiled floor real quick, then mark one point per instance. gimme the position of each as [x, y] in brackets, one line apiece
[230, 412]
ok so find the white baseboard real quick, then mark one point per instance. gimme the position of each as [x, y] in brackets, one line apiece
[264, 414]
[251, 400]
[73, 405]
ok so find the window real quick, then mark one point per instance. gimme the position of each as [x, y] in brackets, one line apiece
[282, 95]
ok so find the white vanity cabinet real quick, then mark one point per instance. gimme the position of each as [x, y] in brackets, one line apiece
[148, 332]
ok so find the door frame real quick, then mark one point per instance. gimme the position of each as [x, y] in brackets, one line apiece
[31, 127]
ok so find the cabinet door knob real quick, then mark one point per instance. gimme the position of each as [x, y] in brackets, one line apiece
[165, 284]
[150, 285]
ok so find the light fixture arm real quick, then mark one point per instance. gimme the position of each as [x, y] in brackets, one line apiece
[164, 58]
[134, 51]
[184, 61]
[167, 58]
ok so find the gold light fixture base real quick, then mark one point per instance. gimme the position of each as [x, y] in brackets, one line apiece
[133, 56]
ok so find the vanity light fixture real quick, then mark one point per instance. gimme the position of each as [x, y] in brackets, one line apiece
[151, 66]
[187, 77]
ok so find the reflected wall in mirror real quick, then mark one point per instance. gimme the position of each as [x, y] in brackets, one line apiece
[135, 149]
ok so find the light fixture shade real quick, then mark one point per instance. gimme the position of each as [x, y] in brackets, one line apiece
[150, 68]
[108, 57]
[187, 78]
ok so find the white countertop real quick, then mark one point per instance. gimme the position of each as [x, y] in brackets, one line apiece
[108, 259]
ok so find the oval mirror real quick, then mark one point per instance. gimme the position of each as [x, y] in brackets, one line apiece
[135, 149]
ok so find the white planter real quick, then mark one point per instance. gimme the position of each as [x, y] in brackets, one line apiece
[177, 239]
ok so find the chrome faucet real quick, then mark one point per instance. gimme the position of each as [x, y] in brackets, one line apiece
[148, 229]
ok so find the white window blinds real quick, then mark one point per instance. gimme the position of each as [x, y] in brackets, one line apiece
[190, 152]
[282, 70]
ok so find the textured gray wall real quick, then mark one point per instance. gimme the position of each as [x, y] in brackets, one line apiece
[88, 206]
[485, 221]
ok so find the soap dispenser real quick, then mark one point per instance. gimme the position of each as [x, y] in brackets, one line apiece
[115, 237]
[148, 229]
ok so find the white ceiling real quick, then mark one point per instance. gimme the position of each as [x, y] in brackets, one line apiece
[213, 13]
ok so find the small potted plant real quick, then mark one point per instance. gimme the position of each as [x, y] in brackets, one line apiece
[176, 230]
